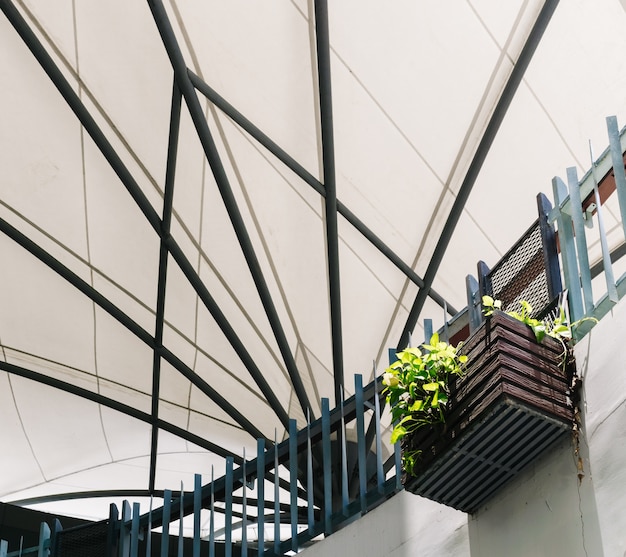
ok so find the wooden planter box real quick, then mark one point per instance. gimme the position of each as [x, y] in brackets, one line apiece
[512, 404]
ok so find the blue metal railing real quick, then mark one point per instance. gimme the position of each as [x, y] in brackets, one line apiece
[320, 478]
[579, 206]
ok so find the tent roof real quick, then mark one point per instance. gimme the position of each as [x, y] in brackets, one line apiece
[266, 250]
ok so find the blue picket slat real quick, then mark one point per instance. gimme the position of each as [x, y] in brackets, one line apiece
[244, 510]
[260, 494]
[293, 482]
[124, 539]
[360, 436]
[380, 475]
[212, 517]
[580, 238]
[327, 466]
[197, 510]
[165, 536]
[276, 497]
[228, 508]
[617, 159]
[134, 531]
[309, 477]
[180, 521]
[568, 251]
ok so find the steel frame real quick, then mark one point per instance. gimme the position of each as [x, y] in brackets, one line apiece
[185, 88]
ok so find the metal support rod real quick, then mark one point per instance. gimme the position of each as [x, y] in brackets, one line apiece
[309, 179]
[170, 173]
[477, 162]
[330, 185]
[221, 179]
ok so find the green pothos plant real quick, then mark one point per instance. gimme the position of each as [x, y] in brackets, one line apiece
[417, 389]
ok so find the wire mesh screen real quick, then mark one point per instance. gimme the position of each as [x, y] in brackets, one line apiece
[521, 275]
[83, 541]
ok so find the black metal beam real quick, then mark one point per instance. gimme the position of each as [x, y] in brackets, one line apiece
[168, 198]
[72, 495]
[308, 178]
[117, 406]
[90, 125]
[129, 324]
[330, 185]
[488, 137]
[206, 139]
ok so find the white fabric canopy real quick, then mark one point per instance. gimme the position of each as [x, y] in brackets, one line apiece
[414, 86]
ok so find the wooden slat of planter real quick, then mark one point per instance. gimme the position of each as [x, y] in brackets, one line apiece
[498, 378]
[503, 328]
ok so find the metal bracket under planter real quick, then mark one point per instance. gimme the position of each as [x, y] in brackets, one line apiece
[511, 405]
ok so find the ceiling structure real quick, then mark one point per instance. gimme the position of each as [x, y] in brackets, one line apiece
[213, 214]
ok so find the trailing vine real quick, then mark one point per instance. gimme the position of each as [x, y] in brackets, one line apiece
[417, 389]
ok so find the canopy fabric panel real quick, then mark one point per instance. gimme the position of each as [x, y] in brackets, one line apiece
[171, 285]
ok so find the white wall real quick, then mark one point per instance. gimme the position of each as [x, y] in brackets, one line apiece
[546, 511]
[404, 525]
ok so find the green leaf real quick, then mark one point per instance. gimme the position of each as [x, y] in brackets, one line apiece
[398, 433]
[416, 406]
[431, 386]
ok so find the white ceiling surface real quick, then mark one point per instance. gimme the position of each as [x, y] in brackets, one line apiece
[413, 87]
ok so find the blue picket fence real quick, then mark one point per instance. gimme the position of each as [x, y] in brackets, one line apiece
[320, 478]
